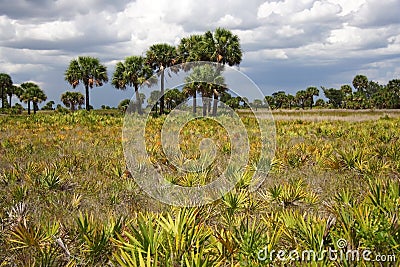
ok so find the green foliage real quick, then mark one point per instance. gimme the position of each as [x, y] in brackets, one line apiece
[72, 100]
[87, 70]
[32, 94]
[5, 84]
[330, 180]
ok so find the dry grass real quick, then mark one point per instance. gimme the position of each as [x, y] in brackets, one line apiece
[328, 114]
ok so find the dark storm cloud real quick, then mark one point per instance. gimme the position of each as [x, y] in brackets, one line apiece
[44, 10]
[287, 44]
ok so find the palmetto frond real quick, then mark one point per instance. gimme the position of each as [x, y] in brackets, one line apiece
[132, 72]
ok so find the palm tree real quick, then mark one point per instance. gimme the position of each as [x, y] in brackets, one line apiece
[205, 79]
[190, 90]
[360, 82]
[173, 98]
[311, 92]
[13, 90]
[270, 101]
[280, 99]
[154, 100]
[222, 47]
[72, 99]
[160, 57]
[87, 70]
[301, 97]
[32, 93]
[132, 72]
[192, 48]
[347, 94]
[5, 83]
[257, 103]
[290, 100]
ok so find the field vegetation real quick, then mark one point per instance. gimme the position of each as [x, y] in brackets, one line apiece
[67, 198]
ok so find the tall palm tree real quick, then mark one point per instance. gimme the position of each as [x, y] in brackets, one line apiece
[222, 47]
[72, 99]
[160, 57]
[5, 83]
[87, 70]
[192, 48]
[311, 92]
[32, 93]
[132, 72]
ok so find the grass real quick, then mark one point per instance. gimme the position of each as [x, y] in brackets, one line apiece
[67, 198]
[318, 114]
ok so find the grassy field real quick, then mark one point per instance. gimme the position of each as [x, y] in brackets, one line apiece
[67, 199]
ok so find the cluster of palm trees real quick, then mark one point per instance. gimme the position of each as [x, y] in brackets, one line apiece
[366, 94]
[221, 47]
[27, 92]
[280, 99]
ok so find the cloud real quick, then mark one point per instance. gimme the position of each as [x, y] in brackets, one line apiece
[229, 21]
[375, 14]
[317, 42]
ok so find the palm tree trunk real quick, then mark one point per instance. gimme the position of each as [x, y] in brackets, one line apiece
[215, 103]
[204, 107]
[87, 97]
[10, 99]
[34, 107]
[138, 104]
[194, 104]
[2, 97]
[29, 107]
[162, 91]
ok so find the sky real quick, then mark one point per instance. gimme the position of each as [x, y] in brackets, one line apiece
[287, 45]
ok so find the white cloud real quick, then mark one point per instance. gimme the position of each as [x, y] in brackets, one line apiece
[375, 13]
[229, 21]
[38, 39]
[354, 38]
[289, 31]
[282, 8]
[48, 31]
[320, 11]
[349, 6]
[266, 54]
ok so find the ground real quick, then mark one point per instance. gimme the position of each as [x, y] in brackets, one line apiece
[63, 180]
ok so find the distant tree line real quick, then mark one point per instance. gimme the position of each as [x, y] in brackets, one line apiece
[366, 94]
